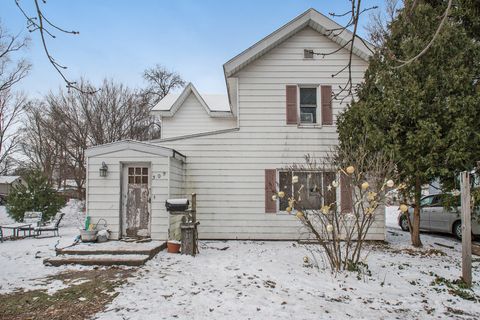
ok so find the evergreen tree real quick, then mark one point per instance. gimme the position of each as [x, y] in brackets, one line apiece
[36, 195]
[425, 113]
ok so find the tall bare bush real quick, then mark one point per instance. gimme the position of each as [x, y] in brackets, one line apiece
[340, 232]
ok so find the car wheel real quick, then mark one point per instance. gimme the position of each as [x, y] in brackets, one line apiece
[457, 230]
[404, 223]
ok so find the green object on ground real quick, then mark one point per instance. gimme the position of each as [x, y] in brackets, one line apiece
[87, 222]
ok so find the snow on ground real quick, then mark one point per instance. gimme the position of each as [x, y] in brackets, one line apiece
[21, 261]
[4, 218]
[269, 280]
[265, 280]
[391, 217]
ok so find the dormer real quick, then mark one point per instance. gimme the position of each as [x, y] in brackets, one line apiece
[191, 113]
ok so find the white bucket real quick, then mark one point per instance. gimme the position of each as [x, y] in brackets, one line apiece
[88, 235]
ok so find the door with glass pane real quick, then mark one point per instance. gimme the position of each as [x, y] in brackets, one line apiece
[136, 201]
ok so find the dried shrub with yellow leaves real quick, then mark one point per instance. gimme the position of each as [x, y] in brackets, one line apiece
[337, 200]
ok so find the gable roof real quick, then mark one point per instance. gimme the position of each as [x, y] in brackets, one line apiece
[215, 105]
[8, 179]
[311, 18]
[135, 145]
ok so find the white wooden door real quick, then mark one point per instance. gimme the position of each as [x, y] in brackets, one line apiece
[136, 201]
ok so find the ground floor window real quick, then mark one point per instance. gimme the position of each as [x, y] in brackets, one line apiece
[312, 189]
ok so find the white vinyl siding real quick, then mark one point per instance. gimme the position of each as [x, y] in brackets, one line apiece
[176, 190]
[227, 170]
[104, 193]
[192, 118]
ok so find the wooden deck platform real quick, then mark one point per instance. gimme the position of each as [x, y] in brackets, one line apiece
[107, 254]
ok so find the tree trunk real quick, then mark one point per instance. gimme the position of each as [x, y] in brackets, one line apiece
[415, 229]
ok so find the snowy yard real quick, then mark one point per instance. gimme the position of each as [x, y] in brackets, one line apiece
[21, 261]
[269, 280]
[266, 280]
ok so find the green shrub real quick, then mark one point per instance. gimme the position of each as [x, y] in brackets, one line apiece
[37, 195]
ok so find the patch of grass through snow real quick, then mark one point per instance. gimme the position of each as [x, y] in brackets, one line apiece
[456, 287]
[80, 300]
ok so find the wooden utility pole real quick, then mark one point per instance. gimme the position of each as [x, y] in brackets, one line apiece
[466, 228]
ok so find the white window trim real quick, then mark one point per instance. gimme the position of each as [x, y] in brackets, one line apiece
[319, 104]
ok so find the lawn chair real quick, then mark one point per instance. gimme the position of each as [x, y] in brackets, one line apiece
[53, 226]
[33, 219]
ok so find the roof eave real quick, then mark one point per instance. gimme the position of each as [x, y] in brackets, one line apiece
[311, 18]
[190, 88]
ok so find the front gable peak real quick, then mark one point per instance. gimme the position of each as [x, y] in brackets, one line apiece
[310, 18]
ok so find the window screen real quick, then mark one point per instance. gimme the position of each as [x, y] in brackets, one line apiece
[308, 105]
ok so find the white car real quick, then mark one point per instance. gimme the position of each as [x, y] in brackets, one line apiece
[434, 216]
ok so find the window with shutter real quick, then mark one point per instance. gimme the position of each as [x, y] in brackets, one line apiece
[311, 191]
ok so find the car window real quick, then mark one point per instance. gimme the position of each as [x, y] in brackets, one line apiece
[449, 201]
[427, 201]
[437, 201]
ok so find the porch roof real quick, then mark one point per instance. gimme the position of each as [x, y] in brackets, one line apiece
[140, 146]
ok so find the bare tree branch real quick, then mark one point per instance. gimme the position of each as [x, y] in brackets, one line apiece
[346, 90]
[377, 28]
[437, 32]
[160, 82]
[11, 71]
[40, 23]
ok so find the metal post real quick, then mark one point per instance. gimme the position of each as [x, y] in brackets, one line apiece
[466, 229]
[194, 220]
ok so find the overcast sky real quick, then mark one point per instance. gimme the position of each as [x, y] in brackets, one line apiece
[120, 38]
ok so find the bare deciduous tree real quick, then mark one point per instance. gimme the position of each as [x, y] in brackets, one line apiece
[59, 129]
[379, 20]
[116, 112]
[12, 70]
[38, 145]
[160, 82]
[11, 107]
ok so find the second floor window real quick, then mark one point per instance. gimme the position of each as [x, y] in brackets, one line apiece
[308, 105]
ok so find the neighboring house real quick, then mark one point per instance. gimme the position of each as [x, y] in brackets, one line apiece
[8, 182]
[232, 150]
[68, 189]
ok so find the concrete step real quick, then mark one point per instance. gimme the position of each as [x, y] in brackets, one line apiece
[99, 259]
[115, 248]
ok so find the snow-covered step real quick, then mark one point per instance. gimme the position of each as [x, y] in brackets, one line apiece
[99, 259]
[114, 248]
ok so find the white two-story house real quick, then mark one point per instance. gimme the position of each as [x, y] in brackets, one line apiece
[232, 150]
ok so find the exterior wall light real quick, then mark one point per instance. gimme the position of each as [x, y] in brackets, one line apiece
[103, 170]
